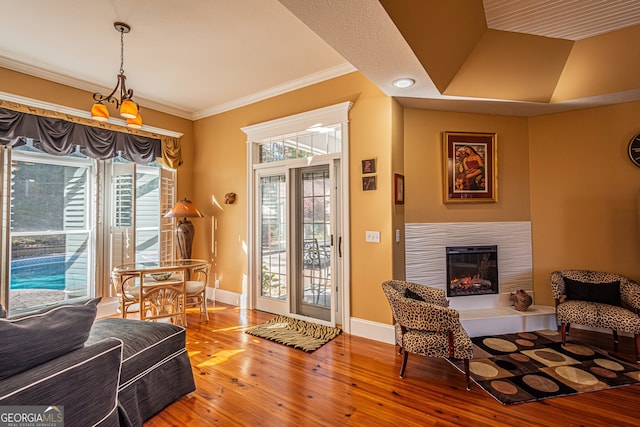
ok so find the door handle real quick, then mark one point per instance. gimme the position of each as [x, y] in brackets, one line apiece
[340, 246]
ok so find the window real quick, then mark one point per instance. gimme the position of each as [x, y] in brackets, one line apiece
[54, 210]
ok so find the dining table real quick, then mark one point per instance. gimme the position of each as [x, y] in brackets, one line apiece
[157, 288]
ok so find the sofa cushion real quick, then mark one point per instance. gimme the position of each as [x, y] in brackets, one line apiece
[34, 339]
[605, 293]
[155, 365]
[146, 344]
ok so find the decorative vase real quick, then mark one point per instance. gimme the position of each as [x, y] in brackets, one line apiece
[521, 300]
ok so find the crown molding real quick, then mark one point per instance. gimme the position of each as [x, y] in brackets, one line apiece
[307, 80]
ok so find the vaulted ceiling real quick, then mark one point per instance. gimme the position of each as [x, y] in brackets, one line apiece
[199, 57]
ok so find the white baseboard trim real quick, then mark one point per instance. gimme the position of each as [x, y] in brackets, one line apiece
[107, 307]
[372, 330]
[227, 297]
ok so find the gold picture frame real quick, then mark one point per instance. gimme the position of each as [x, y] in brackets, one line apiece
[470, 167]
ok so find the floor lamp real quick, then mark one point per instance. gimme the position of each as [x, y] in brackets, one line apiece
[184, 229]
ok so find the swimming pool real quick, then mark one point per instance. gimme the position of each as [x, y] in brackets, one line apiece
[47, 272]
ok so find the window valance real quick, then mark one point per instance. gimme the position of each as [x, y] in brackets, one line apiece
[61, 134]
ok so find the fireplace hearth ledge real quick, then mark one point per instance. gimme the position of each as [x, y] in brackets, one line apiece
[482, 315]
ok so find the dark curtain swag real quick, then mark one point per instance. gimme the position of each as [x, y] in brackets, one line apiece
[60, 137]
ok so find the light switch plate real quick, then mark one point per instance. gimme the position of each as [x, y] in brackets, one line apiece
[372, 236]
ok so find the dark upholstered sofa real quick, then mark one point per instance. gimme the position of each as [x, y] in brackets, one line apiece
[108, 372]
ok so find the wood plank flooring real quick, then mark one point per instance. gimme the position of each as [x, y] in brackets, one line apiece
[243, 380]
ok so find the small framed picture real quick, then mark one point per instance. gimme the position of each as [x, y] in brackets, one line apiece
[470, 167]
[368, 166]
[369, 183]
[398, 186]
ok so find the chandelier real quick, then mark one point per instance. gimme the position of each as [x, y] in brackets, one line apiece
[128, 108]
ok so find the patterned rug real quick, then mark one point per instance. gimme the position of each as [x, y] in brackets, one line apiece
[295, 333]
[530, 366]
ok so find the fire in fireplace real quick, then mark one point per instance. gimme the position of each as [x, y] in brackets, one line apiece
[472, 270]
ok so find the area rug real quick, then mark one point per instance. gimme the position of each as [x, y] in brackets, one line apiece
[295, 333]
[530, 366]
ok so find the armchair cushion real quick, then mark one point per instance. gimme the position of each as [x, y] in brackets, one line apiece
[410, 294]
[605, 293]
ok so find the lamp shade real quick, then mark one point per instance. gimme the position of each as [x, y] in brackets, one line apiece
[128, 109]
[184, 209]
[135, 123]
[99, 112]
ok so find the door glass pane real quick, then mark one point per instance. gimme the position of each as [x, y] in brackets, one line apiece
[49, 233]
[316, 237]
[273, 236]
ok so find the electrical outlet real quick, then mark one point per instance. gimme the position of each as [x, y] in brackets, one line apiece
[217, 283]
[372, 236]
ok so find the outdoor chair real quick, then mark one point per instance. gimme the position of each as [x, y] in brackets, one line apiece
[318, 261]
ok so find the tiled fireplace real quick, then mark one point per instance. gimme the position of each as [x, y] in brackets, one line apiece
[484, 308]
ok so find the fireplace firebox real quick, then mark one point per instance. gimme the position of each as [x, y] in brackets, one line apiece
[472, 270]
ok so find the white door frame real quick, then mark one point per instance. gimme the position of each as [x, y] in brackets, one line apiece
[258, 132]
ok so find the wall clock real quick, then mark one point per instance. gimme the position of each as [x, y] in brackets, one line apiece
[634, 150]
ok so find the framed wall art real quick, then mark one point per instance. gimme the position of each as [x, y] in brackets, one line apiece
[470, 167]
[368, 166]
[398, 186]
[369, 183]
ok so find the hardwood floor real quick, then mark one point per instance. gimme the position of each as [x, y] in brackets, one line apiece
[243, 380]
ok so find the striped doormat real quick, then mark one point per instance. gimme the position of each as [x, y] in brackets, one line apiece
[295, 333]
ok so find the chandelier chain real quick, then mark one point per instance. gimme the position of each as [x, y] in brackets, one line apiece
[121, 52]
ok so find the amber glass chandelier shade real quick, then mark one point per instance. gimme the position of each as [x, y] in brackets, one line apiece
[99, 112]
[128, 109]
[184, 209]
[135, 123]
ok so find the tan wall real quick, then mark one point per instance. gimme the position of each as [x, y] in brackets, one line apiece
[397, 156]
[423, 167]
[220, 167]
[32, 87]
[584, 193]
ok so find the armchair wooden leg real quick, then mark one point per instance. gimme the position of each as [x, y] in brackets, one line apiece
[563, 332]
[466, 373]
[404, 363]
[638, 348]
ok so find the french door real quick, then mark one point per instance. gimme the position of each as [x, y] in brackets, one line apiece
[298, 243]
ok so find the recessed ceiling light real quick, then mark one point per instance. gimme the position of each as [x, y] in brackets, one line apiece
[404, 82]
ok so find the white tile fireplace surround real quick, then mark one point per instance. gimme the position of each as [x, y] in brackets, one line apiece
[425, 247]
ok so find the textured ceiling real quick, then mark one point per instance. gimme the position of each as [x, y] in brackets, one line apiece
[564, 19]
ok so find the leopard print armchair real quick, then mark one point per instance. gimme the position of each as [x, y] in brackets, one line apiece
[599, 300]
[424, 324]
